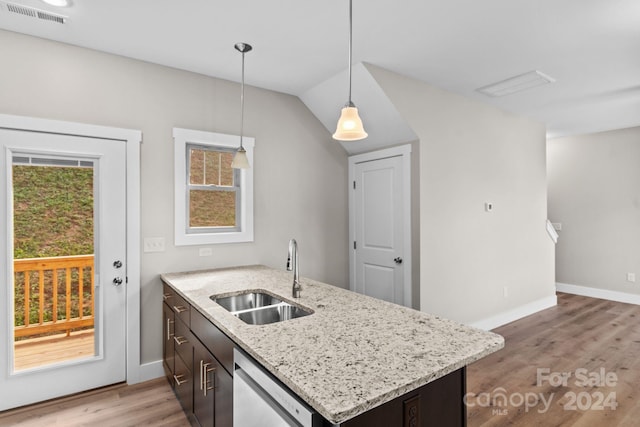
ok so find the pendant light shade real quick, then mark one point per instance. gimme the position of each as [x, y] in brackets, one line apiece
[350, 126]
[240, 160]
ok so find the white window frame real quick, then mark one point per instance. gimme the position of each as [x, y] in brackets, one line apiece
[182, 137]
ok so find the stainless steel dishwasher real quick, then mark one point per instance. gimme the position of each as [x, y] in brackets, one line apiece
[259, 400]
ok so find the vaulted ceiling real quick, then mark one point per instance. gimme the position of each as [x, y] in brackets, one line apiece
[590, 47]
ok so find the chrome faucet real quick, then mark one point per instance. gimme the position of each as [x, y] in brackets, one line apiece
[292, 265]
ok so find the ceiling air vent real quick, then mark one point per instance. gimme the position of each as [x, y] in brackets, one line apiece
[35, 13]
[516, 84]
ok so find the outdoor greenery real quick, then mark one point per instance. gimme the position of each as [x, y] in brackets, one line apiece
[53, 211]
[53, 216]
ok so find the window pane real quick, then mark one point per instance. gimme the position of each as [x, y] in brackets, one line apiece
[212, 208]
[211, 167]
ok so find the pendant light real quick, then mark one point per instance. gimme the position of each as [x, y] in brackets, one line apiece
[240, 160]
[349, 126]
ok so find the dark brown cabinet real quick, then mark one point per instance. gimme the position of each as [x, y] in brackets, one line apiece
[436, 404]
[202, 383]
[167, 341]
[212, 390]
[183, 384]
[177, 346]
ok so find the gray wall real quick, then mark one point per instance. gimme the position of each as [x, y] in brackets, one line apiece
[471, 153]
[300, 174]
[594, 191]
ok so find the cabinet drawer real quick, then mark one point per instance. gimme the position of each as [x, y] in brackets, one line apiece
[178, 304]
[216, 342]
[183, 385]
[183, 343]
[168, 344]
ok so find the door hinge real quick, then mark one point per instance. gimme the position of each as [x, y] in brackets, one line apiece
[354, 244]
[354, 185]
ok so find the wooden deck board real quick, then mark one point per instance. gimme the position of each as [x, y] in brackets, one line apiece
[57, 348]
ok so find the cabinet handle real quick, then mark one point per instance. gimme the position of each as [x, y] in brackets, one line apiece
[169, 323]
[201, 374]
[166, 296]
[179, 308]
[179, 379]
[206, 370]
[180, 340]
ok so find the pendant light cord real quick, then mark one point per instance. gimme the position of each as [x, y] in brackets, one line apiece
[350, 104]
[242, 103]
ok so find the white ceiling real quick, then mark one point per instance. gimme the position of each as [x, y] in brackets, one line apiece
[591, 47]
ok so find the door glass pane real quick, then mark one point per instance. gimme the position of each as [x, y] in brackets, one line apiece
[53, 239]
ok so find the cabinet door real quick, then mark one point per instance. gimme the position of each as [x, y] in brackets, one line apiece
[224, 399]
[204, 386]
[212, 390]
[168, 331]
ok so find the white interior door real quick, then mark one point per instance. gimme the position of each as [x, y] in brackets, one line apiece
[379, 223]
[107, 363]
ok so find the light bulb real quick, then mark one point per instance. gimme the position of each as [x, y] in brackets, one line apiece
[58, 3]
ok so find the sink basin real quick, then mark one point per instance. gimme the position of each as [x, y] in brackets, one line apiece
[258, 308]
[246, 301]
[272, 314]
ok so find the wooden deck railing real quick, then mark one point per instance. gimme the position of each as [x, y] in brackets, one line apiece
[53, 294]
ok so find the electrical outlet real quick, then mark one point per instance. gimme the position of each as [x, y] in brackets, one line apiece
[154, 244]
[631, 277]
[205, 252]
[557, 226]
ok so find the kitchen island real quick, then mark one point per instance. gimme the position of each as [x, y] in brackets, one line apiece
[353, 354]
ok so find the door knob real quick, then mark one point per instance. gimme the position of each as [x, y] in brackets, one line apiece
[117, 264]
[398, 260]
[117, 281]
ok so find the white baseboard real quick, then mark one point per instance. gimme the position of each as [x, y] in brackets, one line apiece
[147, 371]
[599, 293]
[516, 313]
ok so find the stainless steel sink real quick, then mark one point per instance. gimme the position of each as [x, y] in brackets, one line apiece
[258, 308]
[246, 301]
[272, 314]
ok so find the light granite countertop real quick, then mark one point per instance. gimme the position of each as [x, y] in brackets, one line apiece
[352, 354]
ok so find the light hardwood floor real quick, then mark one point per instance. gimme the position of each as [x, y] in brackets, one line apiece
[148, 404]
[580, 333]
[579, 336]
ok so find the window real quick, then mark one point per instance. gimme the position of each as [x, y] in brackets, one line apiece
[213, 202]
